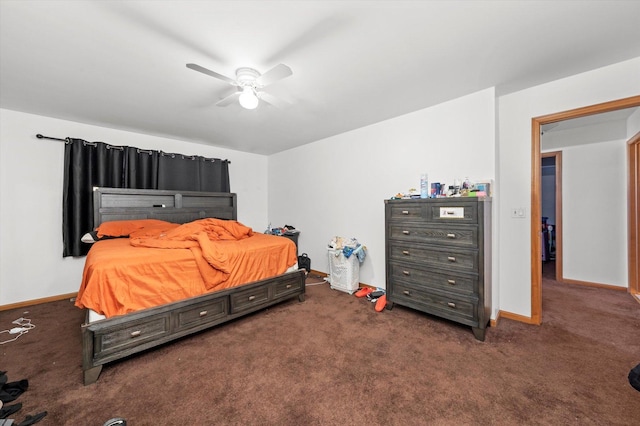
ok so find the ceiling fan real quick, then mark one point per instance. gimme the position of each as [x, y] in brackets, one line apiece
[249, 84]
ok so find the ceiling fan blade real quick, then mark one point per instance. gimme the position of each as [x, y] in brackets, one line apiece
[272, 100]
[203, 70]
[276, 73]
[229, 99]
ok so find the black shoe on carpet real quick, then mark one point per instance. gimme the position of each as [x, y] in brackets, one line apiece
[31, 420]
[8, 410]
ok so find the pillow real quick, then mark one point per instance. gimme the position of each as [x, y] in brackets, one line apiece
[122, 228]
[90, 237]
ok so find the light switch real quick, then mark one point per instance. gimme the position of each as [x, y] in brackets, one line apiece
[518, 212]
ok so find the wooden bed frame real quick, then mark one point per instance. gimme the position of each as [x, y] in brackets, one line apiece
[107, 340]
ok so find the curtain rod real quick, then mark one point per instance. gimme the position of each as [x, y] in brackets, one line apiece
[39, 136]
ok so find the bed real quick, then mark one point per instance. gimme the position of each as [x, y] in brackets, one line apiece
[121, 333]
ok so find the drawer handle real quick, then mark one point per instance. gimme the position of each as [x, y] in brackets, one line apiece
[450, 212]
[451, 258]
[405, 211]
[203, 313]
[289, 286]
[251, 298]
[451, 304]
[405, 272]
[451, 282]
[451, 235]
[405, 232]
[405, 252]
[406, 293]
[136, 333]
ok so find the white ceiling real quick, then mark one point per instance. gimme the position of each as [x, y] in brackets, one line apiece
[122, 64]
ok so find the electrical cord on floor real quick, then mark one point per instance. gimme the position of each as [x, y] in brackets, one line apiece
[23, 325]
[324, 281]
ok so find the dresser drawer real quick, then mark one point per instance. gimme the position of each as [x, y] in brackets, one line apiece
[405, 210]
[464, 285]
[248, 299]
[462, 212]
[120, 338]
[439, 303]
[441, 235]
[200, 314]
[451, 259]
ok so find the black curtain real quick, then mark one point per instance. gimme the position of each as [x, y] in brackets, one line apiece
[141, 168]
[178, 172]
[91, 164]
[214, 176]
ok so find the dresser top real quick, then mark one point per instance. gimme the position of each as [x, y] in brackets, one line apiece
[442, 200]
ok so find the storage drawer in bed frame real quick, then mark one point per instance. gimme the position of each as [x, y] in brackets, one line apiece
[114, 338]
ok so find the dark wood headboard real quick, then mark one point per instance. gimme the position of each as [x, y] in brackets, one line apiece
[173, 206]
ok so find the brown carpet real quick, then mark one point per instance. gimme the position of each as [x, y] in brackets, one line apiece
[333, 360]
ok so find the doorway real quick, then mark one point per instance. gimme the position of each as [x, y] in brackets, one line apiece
[552, 171]
[536, 216]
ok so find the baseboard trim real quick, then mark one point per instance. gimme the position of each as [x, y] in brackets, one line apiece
[320, 274]
[590, 284]
[38, 301]
[494, 321]
[514, 317]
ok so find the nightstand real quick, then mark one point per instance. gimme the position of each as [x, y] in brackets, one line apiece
[294, 238]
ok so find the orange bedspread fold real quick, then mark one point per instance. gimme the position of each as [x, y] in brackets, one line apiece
[167, 263]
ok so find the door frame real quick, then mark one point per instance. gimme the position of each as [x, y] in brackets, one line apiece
[633, 215]
[536, 214]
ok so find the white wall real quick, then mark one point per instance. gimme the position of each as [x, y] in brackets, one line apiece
[337, 186]
[594, 217]
[633, 124]
[31, 174]
[516, 110]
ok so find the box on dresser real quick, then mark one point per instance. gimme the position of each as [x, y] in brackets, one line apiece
[438, 258]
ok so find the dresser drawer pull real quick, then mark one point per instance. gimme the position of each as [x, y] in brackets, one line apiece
[451, 304]
[405, 252]
[136, 333]
[251, 298]
[405, 232]
[405, 211]
[451, 258]
[203, 313]
[289, 286]
[451, 282]
[451, 235]
[405, 272]
[406, 293]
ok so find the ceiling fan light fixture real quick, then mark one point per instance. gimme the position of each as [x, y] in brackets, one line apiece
[249, 83]
[248, 98]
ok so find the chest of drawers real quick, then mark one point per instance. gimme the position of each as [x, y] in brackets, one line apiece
[438, 258]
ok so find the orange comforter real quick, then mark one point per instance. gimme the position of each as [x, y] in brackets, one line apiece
[170, 262]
